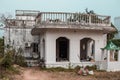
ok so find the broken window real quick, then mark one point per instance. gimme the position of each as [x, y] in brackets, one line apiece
[62, 49]
[35, 47]
[87, 49]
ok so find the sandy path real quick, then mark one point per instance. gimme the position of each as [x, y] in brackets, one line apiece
[37, 74]
[33, 74]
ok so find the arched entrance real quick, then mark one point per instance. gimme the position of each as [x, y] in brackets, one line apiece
[87, 49]
[62, 49]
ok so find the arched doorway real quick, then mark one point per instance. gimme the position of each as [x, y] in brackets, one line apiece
[87, 49]
[62, 49]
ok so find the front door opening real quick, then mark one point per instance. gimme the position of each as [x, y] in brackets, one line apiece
[87, 49]
[62, 49]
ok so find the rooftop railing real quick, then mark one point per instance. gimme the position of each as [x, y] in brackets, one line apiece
[72, 18]
[58, 18]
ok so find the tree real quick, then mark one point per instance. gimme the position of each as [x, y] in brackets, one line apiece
[4, 17]
[89, 12]
[110, 36]
[4, 21]
[1, 47]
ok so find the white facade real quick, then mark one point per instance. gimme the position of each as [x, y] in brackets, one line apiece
[18, 37]
[74, 46]
[109, 64]
[57, 38]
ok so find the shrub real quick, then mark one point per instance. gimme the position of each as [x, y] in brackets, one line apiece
[7, 60]
[94, 67]
[20, 60]
[1, 46]
[77, 68]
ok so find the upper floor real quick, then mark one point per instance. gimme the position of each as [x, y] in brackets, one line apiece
[63, 18]
[23, 18]
[36, 19]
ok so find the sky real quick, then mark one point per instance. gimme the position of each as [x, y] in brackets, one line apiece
[102, 7]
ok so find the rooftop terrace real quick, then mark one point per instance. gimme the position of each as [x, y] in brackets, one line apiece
[72, 19]
[59, 19]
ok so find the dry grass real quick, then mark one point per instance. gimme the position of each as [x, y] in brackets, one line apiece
[37, 74]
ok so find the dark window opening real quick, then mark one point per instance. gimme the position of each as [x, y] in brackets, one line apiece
[62, 49]
[35, 47]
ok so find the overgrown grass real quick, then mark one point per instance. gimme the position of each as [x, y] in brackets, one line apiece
[94, 67]
[7, 73]
[107, 75]
[6, 65]
[57, 69]
[76, 69]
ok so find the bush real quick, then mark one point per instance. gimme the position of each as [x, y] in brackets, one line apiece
[20, 60]
[94, 67]
[1, 47]
[77, 68]
[10, 58]
[7, 60]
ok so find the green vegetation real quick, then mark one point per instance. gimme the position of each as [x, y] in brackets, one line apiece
[76, 69]
[94, 67]
[61, 69]
[7, 59]
[1, 47]
[57, 69]
[6, 65]
[116, 42]
[110, 36]
[19, 59]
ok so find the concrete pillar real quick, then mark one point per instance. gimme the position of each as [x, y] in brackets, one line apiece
[108, 59]
[113, 55]
[102, 55]
[119, 55]
[108, 55]
[89, 19]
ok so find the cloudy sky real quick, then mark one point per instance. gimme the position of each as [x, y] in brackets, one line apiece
[103, 7]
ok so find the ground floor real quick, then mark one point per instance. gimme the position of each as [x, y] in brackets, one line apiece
[69, 48]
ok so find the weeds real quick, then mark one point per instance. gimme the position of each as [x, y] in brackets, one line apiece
[94, 67]
[58, 69]
[6, 64]
[61, 69]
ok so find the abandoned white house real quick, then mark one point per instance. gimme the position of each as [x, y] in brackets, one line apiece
[61, 39]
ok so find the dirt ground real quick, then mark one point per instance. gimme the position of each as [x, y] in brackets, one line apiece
[37, 74]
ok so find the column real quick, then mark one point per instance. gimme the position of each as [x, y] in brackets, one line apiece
[119, 55]
[113, 54]
[89, 19]
[102, 55]
[108, 55]
[108, 60]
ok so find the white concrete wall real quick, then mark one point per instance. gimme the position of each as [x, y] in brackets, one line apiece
[74, 45]
[42, 45]
[18, 37]
[113, 66]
